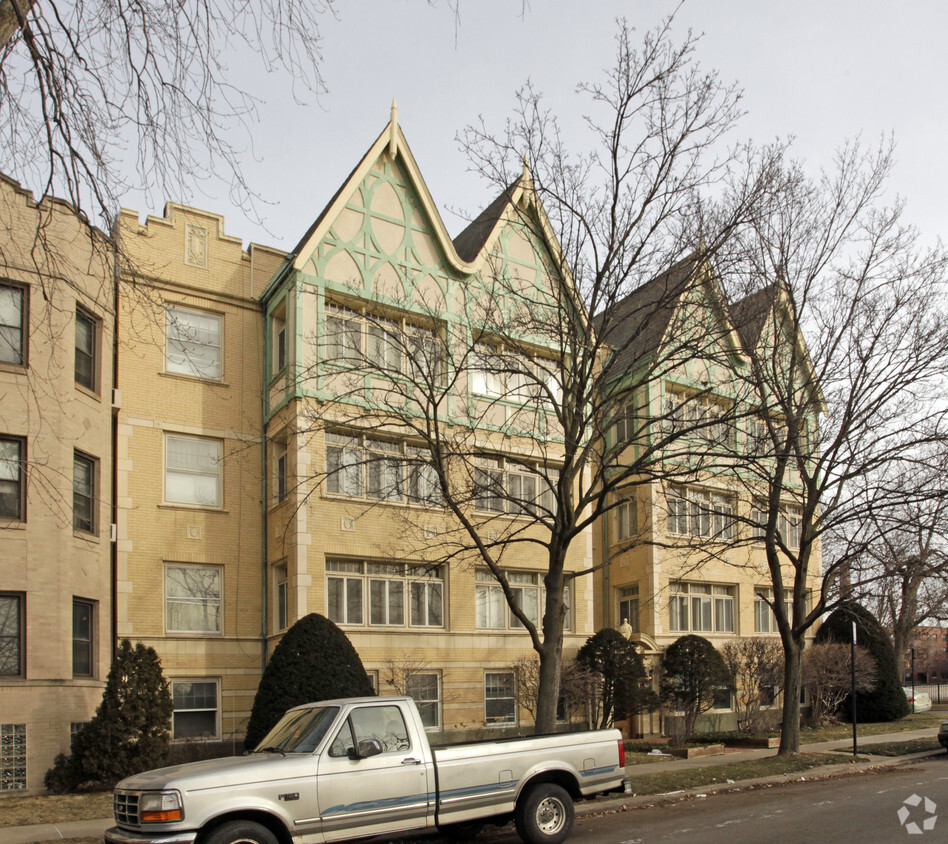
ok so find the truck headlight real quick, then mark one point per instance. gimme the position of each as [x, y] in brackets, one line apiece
[161, 807]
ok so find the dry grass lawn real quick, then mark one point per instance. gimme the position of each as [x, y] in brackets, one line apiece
[54, 808]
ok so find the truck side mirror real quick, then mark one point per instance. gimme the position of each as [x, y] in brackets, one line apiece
[367, 747]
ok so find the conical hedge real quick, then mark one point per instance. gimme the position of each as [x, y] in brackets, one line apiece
[313, 661]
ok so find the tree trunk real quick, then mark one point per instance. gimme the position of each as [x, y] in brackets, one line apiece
[548, 688]
[551, 653]
[10, 19]
[790, 724]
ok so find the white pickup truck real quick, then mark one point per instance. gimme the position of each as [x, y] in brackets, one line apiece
[341, 769]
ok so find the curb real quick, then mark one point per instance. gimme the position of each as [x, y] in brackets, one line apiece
[626, 802]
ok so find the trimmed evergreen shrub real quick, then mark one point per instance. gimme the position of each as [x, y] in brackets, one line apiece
[692, 671]
[624, 688]
[313, 661]
[885, 701]
[130, 730]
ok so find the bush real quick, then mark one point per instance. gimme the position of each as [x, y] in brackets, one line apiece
[313, 661]
[885, 701]
[756, 668]
[827, 676]
[692, 672]
[129, 732]
[617, 665]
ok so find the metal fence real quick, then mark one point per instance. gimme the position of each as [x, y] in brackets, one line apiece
[938, 692]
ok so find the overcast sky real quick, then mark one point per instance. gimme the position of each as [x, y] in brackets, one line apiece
[819, 70]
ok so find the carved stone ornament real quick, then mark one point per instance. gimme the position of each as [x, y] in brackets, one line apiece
[195, 246]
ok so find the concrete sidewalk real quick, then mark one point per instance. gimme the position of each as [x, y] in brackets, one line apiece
[83, 829]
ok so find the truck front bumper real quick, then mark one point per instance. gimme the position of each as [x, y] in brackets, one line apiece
[117, 835]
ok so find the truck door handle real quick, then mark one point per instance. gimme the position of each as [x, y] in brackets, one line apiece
[411, 760]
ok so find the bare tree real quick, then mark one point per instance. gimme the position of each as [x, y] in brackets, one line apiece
[603, 224]
[576, 686]
[903, 576]
[756, 668]
[92, 91]
[827, 676]
[842, 314]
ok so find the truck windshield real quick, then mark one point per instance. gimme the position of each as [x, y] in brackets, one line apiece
[299, 731]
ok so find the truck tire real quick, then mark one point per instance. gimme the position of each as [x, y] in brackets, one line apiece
[240, 832]
[544, 814]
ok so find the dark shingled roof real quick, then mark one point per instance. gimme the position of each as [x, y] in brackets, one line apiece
[750, 314]
[469, 242]
[637, 324]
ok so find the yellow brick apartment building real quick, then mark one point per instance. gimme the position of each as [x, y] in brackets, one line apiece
[173, 468]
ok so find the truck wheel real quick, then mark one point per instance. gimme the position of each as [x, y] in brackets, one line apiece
[241, 832]
[544, 814]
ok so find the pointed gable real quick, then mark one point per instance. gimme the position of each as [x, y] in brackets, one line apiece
[381, 236]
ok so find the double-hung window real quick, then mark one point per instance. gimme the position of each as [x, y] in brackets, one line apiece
[12, 623]
[522, 383]
[723, 516]
[424, 687]
[623, 425]
[192, 470]
[676, 411]
[500, 705]
[521, 489]
[486, 371]
[489, 485]
[626, 519]
[423, 484]
[84, 483]
[790, 525]
[699, 508]
[764, 620]
[384, 594]
[195, 709]
[193, 343]
[343, 334]
[426, 355]
[12, 478]
[83, 644]
[385, 345]
[282, 614]
[192, 598]
[14, 323]
[384, 470]
[278, 338]
[87, 350]
[677, 511]
[629, 606]
[344, 465]
[280, 470]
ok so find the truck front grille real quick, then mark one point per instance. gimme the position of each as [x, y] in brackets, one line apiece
[125, 807]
